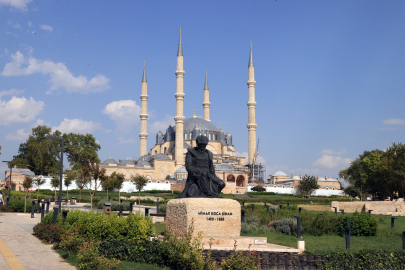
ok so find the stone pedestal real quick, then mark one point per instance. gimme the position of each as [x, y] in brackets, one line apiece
[214, 217]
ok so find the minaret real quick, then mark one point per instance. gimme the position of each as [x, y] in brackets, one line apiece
[144, 114]
[179, 118]
[252, 106]
[206, 104]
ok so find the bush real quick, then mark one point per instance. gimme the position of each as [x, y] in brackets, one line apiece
[366, 259]
[183, 251]
[362, 224]
[286, 225]
[162, 208]
[18, 205]
[239, 261]
[4, 208]
[139, 251]
[48, 218]
[48, 232]
[114, 205]
[259, 189]
[318, 225]
[71, 241]
[90, 259]
[177, 192]
[108, 227]
[245, 228]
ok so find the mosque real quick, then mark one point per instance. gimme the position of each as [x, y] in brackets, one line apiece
[165, 161]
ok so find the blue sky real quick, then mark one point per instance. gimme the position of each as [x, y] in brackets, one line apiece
[330, 74]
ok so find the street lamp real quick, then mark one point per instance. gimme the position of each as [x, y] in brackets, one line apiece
[61, 169]
[11, 172]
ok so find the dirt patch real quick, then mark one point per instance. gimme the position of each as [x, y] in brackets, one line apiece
[315, 207]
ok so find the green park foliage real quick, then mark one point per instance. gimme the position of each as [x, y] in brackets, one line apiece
[378, 173]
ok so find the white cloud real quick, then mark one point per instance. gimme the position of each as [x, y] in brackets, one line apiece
[259, 159]
[59, 73]
[394, 121]
[18, 4]
[46, 27]
[77, 126]
[19, 110]
[22, 134]
[125, 113]
[121, 140]
[11, 34]
[29, 24]
[161, 125]
[19, 135]
[11, 92]
[331, 161]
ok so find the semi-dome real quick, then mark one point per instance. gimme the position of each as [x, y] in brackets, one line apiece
[143, 163]
[296, 177]
[280, 173]
[127, 162]
[160, 156]
[110, 161]
[224, 167]
[145, 157]
[201, 124]
[181, 170]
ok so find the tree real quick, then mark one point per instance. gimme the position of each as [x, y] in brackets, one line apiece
[108, 184]
[140, 182]
[39, 182]
[37, 153]
[27, 183]
[168, 177]
[69, 178]
[93, 173]
[307, 185]
[352, 191]
[55, 183]
[117, 180]
[365, 175]
[80, 149]
[80, 181]
[258, 188]
[392, 169]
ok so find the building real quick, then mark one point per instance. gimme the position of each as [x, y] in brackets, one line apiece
[165, 160]
[17, 177]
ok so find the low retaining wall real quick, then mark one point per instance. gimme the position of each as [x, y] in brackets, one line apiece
[395, 208]
[277, 260]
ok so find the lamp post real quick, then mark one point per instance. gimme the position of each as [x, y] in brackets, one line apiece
[61, 170]
[11, 172]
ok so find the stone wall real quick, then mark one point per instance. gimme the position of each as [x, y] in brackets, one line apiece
[278, 260]
[395, 208]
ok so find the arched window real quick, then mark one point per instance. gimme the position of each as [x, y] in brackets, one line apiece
[230, 178]
[240, 181]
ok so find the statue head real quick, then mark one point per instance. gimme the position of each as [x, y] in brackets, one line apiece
[202, 141]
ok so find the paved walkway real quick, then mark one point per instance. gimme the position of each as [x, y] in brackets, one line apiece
[21, 250]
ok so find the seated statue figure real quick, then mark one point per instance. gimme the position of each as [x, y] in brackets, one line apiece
[201, 181]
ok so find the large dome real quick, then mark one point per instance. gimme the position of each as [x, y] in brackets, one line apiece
[110, 161]
[201, 124]
[280, 173]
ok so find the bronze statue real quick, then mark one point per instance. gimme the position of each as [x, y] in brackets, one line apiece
[201, 181]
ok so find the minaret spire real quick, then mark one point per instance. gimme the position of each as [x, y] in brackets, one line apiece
[251, 109]
[143, 135]
[180, 48]
[206, 104]
[179, 118]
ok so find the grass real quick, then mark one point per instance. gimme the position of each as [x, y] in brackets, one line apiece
[160, 228]
[72, 259]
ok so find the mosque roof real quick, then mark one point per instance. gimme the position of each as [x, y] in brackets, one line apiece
[110, 161]
[144, 157]
[160, 156]
[143, 163]
[181, 170]
[280, 173]
[127, 162]
[199, 123]
[23, 171]
[224, 167]
[296, 177]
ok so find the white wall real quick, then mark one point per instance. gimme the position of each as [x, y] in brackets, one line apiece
[317, 192]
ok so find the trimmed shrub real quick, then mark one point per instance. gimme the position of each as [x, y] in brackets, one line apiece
[108, 227]
[259, 189]
[48, 232]
[162, 208]
[89, 258]
[362, 224]
[4, 208]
